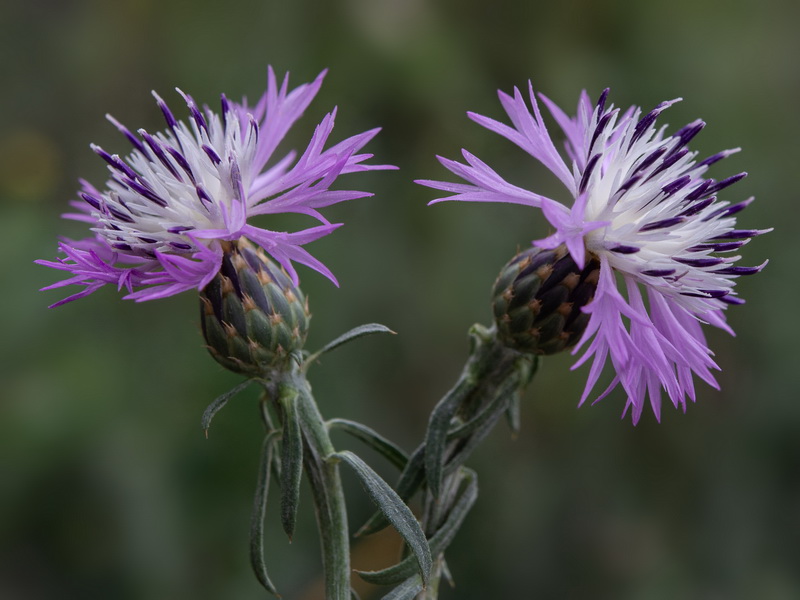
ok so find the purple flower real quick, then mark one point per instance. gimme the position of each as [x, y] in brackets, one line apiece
[160, 223]
[642, 207]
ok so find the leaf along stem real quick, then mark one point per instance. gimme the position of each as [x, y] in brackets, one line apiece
[493, 379]
[326, 488]
[310, 444]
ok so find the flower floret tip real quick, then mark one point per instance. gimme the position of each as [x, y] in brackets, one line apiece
[640, 203]
[160, 224]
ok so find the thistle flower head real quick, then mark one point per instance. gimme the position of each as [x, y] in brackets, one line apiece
[161, 221]
[538, 300]
[643, 209]
[253, 316]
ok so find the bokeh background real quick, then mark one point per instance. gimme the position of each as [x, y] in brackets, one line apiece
[108, 488]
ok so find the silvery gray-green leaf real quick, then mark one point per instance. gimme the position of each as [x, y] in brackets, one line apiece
[389, 450]
[259, 510]
[356, 332]
[291, 460]
[219, 403]
[394, 509]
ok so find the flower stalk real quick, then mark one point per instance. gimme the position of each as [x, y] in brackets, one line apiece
[255, 322]
[297, 440]
[490, 386]
[537, 302]
[293, 389]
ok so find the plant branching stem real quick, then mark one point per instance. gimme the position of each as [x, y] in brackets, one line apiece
[493, 376]
[326, 486]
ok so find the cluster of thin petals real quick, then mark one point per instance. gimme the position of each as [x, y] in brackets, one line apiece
[160, 223]
[640, 203]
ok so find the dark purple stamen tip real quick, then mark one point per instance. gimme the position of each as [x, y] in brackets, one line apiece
[91, 200]
[707, 162]
[212, 154]
[726, 182]
[143, 190]
[694, 294]
[629, 183]
[601, 125]
[647, 121]
[707, 294]
[739, 270]
[202, 194]
[727, 211]
[662, 224]
[676, 185]
[697, 207]
[158, 152]
[101, 153]
[669, 160]
[651, 158]
[719, 247]
[181, 160]
[197, 116]
[124, 168]
[127, 133]
[121, 246]
[181, 246]
[700, 262]
[114, 161]
[716, 293]
[625, 249]
[180, 229]
[168, 116]
[588, 172]
[739, 234]
[601, 101]
[148, 240]
[118, 214]
[687, 132]
[733, 300]
[658, 272]
[701, 190]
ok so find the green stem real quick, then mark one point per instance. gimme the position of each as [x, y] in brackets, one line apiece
[491, 378]
[326, 487]
[492, 375]
[432, 591]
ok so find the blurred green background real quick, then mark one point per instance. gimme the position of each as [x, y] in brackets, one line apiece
[108, 488]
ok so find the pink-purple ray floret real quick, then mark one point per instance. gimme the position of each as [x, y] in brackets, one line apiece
[641, 205]
[159, 223]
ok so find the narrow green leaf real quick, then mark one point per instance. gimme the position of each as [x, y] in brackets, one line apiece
[373, 439]
[500, 403]
[481, 425]
[394, 509]
[475, 430]
[407, 590]
[438, 426]
[221, 401]
[291, 459]
[438, 542]
[259, 510]
[411, 480]
[354, 333]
